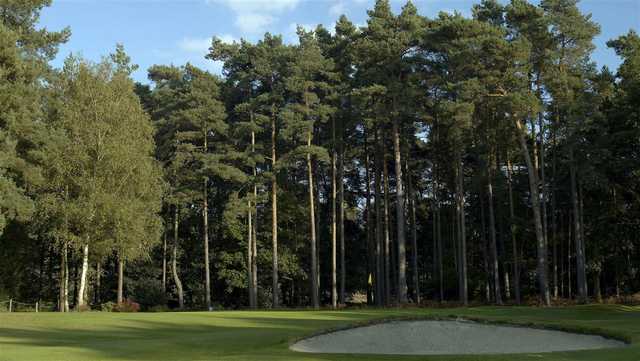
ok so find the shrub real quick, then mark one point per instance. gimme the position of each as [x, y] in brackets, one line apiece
[107, 306]
[83, 308]
[127, 306]
[148, 292]
[159, 308]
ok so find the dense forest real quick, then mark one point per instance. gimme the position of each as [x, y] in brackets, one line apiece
[410, 160]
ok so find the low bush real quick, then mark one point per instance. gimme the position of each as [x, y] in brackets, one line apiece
[83, 308]
[148, 293]
[127, 306]
[107, 306]
[159, 308]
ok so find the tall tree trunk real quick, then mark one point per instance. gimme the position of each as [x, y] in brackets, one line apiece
[312, 221]
[462, 250]
[120, 297]
[554, 226]
[317, 173]
[380, 280]
[512, 227]
[569, 238]
[96, 293]
[254, 239]
[274, 212]
[343, 277]
[485, 250]
[495, 269]
[437, 234]
[543, 188]
[254, 257]
[252, 303]
[371, 256]
[205, 227]
[83, 277]
[440, 253]
[402, 257]
[164, 261]
[174, 260]
[205, 231]
[581, 277]
[597, 293]
[387, 237]
[334, 221]
[414, 238]
[66, 280]
[63, 302]
[563, 292]
[582, 228]
[543, 282]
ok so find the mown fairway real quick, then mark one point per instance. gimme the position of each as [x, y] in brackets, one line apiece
[246, 335]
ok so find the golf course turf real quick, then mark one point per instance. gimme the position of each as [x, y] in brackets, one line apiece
[266, 335]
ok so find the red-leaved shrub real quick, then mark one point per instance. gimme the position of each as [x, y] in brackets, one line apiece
[127, 306]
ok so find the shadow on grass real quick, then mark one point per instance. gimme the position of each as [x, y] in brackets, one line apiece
[187, 338]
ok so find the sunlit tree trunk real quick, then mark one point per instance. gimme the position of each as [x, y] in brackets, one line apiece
[174, 260]
[83, 276]
[254, 238]
[120, 297]
[205, 231]
[343, 270]
[312, 222]
[63, 302]
[402, 258]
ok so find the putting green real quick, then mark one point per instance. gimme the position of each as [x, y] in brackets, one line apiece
[266, 335]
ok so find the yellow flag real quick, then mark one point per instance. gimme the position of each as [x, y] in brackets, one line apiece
[370, 280]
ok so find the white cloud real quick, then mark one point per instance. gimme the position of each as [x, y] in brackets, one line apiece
[195, 45]
[252, 23]
[255, 6]
[201, 45]
[228, 38]
[337, 9]
[194, 49]
[254, 16]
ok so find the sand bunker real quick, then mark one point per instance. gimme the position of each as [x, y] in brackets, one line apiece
[448, 338]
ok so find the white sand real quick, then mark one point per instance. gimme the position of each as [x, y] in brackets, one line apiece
[449, 337]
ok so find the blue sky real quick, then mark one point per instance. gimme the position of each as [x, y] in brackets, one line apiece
[180, 31]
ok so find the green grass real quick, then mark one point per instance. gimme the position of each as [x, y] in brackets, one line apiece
[265, 335]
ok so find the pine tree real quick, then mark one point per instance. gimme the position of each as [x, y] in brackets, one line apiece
[309, 87]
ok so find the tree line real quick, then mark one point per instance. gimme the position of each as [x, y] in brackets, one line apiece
[409, 160]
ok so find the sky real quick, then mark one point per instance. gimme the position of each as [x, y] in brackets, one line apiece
[180, 31]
